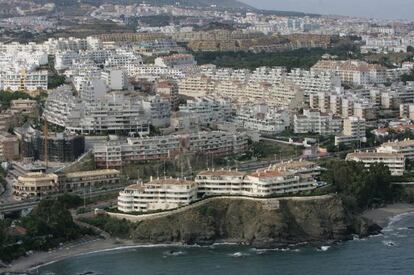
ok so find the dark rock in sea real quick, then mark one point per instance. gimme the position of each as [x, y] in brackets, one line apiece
[365, 227]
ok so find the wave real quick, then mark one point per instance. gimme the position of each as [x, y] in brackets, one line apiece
[239, 254]
[357, 238]
[174, 253]
[389, 243]
[260, 251]
[323, 248]
[224, 243]
[398, 218]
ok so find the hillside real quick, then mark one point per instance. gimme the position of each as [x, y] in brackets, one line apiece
[262, 223]
[229, 4]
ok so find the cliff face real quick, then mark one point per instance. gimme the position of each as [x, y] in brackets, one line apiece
[259, 223]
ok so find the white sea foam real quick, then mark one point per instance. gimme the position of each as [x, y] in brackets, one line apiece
[357, 238]
[323, 248]
[218, 244]
[260, 251]
[174, 253]
[398, 218]
[239, 254]
[389, 243]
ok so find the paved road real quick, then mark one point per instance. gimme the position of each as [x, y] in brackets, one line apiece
[18, 206]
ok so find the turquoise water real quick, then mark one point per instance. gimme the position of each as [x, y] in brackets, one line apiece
[389, 253]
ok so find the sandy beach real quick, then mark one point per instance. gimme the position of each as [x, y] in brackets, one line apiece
[382, 216]
[69, 250]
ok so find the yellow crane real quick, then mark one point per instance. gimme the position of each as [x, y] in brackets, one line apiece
[46, 141]
[23, 76]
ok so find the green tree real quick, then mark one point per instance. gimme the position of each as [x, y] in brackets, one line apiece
[6, 97]
[51, 218]
[360, 185]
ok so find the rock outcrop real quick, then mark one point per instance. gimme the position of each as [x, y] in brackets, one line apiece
[256, 222]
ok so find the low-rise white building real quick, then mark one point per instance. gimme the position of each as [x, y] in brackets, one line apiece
[316, 122]
[394, 161]
[176, 61]
[159, 194]
[404, 147]
[283, 178]
[36, 184]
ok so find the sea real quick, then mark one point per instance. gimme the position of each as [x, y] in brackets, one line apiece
[391, 252]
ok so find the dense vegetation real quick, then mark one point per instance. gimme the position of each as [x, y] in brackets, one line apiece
[269, 150]
[408, 77]
[55, 81]
[361, 187]
[390, 60]
[115, 227]
[301, 58]
[48, 225]
[7, 97]
[2, 177]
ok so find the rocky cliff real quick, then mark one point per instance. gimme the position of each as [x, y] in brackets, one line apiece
[256, 222]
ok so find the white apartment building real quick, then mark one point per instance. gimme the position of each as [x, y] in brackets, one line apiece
[114, 112]
[222, 183]
[93, 90]
[404, 147]
[284, 178]
[95, 179]
[354, 130]
[23, 80]
[158, 110]
[176, 61]
[167, 194]
[122, 152]
[315, 122]
[274, 85]
[152, 72]
[159, 194]
[262, 118]
[122, 59]
[157, 47]
[116, 153]
[407, 111]
[345, 104]
[353, 72]
[168, 88]
[195, 86]
[209, 110]
[394, 161]
[65, 59]
[115, 79]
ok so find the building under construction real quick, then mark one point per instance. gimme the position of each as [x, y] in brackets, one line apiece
[61, 147]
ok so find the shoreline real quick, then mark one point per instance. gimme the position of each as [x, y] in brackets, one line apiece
[43, 258]
[381, 216]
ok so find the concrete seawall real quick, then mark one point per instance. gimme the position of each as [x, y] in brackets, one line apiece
[268, 203]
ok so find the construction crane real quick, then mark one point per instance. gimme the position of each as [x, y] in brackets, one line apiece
[46, 141]
[23, 76]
